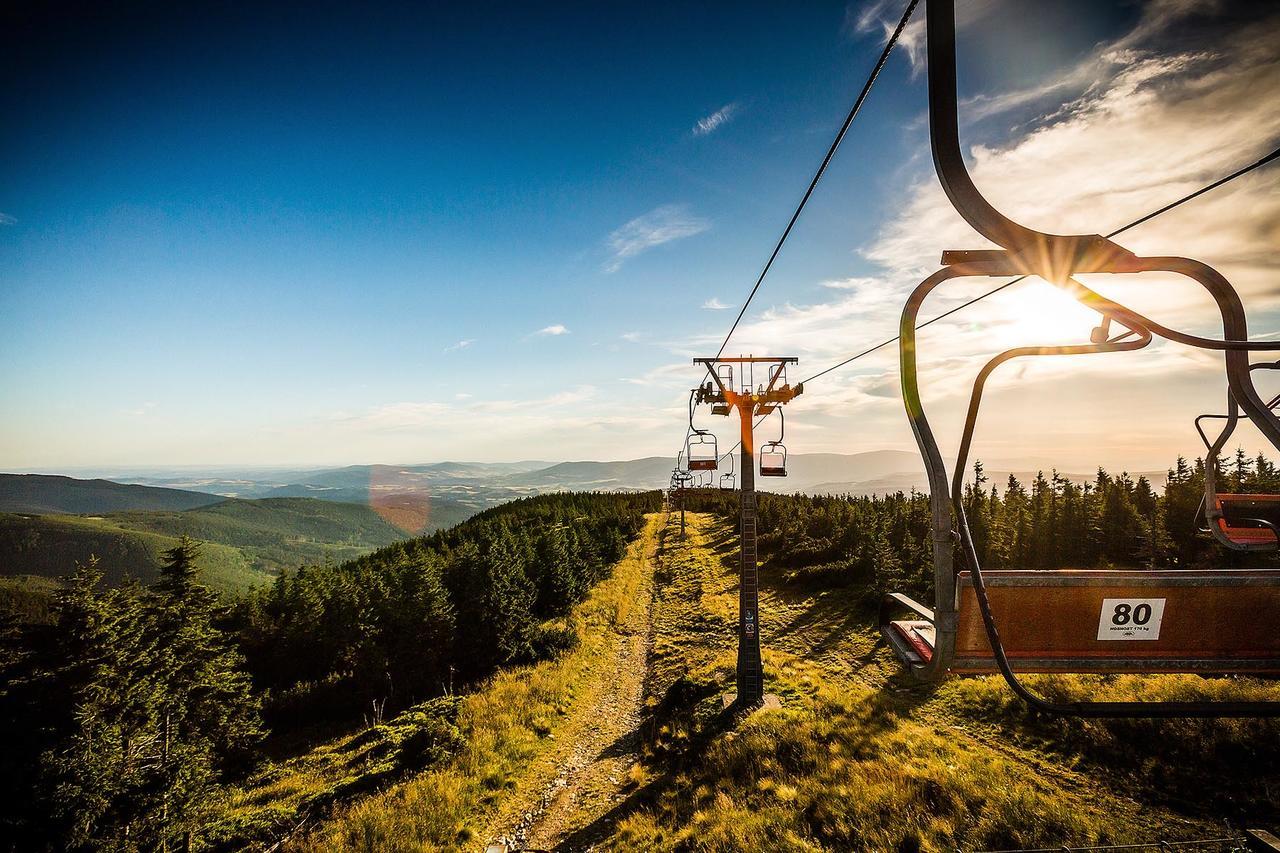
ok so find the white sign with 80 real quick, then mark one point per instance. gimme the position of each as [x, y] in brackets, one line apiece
[1130, 618]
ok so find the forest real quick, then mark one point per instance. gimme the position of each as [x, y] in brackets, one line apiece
[126, 709]
[130, 709]
[881, 543]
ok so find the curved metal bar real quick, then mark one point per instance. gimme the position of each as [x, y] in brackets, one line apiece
[944, 579]
[945, 613]
[975, 398]
[1053, 256]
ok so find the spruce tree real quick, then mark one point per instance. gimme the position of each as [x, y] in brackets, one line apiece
[206, 713]
[100, 778]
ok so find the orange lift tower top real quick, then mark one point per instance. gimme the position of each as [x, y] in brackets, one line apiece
[751, 401]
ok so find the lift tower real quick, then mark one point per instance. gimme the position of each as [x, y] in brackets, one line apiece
[752, 401]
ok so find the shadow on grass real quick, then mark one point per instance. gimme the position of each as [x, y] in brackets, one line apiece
[681, 699]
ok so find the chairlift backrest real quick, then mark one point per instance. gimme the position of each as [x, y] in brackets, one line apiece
[773, 460]
[703, 454]
[773, 454]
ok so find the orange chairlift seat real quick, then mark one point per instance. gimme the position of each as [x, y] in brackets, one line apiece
[1241, 522]
[1248, 520]
[1137, 620]
[1110, 621]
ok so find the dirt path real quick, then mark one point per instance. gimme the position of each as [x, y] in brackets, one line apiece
[602, 739]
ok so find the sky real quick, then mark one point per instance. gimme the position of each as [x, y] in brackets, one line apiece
[327, 235]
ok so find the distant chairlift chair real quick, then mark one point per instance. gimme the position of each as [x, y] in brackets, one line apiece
[773, 454]
[727, 479]
[700, 444]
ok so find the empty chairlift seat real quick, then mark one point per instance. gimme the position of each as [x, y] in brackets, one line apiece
[1224, 621]
[1248, 519]
[702, 454]
[773, 460]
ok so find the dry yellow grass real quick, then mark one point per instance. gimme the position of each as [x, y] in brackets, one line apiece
[854, 760]
[504, 725]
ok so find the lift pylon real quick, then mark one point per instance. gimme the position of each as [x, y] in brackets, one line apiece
[751, 400]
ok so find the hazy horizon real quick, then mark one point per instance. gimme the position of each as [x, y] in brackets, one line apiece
[426, 236]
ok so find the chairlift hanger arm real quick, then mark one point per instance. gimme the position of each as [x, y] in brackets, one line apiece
[945, 613]
[975, 400]
[1053, 255]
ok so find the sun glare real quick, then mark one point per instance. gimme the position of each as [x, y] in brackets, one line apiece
[1040, 313]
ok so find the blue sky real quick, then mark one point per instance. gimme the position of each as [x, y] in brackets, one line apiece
[327, 235]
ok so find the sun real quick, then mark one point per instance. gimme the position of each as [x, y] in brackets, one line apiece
[1039, 313]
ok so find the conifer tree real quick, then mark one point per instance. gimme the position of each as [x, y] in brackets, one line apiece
[100, 779]
[206, 713]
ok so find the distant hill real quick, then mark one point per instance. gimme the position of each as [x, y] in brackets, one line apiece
[247, 542]
[43, 493]
[651, 472]
[444, 493]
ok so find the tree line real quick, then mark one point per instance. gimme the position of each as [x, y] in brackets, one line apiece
[882, 543]
[125, 709]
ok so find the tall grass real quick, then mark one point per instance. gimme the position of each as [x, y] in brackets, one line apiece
[1229, 766]
[842, 766]
[503, 726]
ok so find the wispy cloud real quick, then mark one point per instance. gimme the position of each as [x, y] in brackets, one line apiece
[711, 123]
[1139, 126]
[883, 16]
[631, 337]
[660, 225]
[551, 331]
[6, 219]
[142, 410]
[714, 304]
[460, 345]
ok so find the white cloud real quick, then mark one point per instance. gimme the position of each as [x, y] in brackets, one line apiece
[660, 225]
[714, 304]
[884, 15]
[460, 345]
[632, 337]
[1141, 126]
[711, 123]
[552, 331]
[6, 219]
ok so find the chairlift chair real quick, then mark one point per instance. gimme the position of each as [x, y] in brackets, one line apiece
[1104, 621]
[701, 451]
[727, 480]
[1241, 522]
[773, 454]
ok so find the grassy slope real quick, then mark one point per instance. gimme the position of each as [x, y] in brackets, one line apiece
[247, 542]
[859, 758]
[500, 736]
